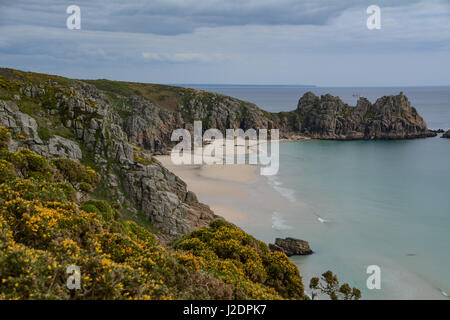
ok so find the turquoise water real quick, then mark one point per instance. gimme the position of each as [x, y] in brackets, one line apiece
[385, 203]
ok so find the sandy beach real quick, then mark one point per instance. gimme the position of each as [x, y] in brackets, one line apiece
[214, 183]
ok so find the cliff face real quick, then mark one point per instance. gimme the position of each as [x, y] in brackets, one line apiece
[94, 134]
[326, 117]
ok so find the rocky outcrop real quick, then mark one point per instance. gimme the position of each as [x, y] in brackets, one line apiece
[390, 117]
[143, 186]
[325, 117]
[150, 127]
[19, 123]
[291, 247]
[446, 134]
[58, 147]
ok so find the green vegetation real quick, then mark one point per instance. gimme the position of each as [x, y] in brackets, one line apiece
[47, 224]
[38, 107]
[328, 285]
[43, 230]
[165, 97]
[237, 258]
[144, 159]
[77, 173]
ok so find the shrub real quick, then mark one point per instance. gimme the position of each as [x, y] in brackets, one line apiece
[77, 174]
[99, 207]
[4, 138]
[328, 284]
[42, 232]
[6, 171]
[30, 165]
[246, 263]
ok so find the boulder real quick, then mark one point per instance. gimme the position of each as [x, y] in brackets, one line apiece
[446, 135]
[58, 147]
[291, 247]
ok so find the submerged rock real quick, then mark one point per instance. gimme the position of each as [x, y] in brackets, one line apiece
[291, 247]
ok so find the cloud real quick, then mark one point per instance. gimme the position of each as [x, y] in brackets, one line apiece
[182, 57]
[173, 17]
[245, 41]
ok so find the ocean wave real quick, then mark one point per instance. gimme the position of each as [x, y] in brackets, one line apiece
[285, 192]
[278, 222]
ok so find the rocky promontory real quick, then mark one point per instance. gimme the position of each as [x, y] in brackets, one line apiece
[326, 117]
[390, 117]
[291, 247]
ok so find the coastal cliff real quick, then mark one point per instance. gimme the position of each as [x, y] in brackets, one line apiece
[117, 127]
[150, 118]
[76, 192]
[78, 122]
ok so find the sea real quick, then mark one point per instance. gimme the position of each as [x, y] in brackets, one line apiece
[364, 203]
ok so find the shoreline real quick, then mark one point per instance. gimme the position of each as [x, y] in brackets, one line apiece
[258, 205]
[215, 183]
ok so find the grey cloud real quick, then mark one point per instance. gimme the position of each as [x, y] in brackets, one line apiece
[172, 17]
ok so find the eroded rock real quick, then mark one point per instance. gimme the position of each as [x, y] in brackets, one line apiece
[291, 247]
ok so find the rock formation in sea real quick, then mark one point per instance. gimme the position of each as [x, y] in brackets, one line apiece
[390, 117]
[291, 247]
[446, 134]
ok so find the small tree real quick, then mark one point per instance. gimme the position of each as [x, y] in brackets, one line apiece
[329, 285]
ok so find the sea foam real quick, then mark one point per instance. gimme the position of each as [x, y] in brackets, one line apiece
[278, 222]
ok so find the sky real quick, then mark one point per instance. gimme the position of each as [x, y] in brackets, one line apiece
[320, 42]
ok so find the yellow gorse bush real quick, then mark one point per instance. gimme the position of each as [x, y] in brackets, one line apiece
[43, 232]
[242, 261]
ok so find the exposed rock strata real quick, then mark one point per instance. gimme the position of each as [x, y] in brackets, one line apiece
[325, 117]
[390, 117]
[150, 188]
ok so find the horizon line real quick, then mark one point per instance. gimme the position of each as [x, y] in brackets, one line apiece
[298, 85]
